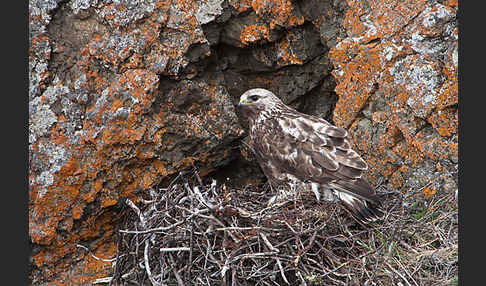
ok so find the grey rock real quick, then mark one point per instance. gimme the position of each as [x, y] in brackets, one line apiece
[208, 10]
[124, 12]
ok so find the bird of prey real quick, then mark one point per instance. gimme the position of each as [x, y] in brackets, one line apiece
[297, 149]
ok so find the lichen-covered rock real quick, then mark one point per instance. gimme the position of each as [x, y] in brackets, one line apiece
[396, 76]
[297, 47]
[247, 30]
[40, 49]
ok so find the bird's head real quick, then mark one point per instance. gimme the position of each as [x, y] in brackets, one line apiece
[256, 100]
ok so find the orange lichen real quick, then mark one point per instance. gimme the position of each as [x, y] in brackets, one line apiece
[356, 79]
[147, 180]
[285, 54]
[396, 180]
[96, 187]
[240, 5]
[452, 3]
[379, 117]
[429, 191]
[448, 94]
[77, 211]
[90, 268]
[160, 166]
[253, 33]
[38, 41]
[295, 21]
[108, 199]
[280, 12]
[444, 121]
[387, 17]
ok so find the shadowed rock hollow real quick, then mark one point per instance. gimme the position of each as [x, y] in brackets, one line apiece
[125, 94]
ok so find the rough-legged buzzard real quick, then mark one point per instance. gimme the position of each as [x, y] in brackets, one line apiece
[297, 149]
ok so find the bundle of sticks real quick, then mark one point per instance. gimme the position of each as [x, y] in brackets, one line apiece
[192, 233]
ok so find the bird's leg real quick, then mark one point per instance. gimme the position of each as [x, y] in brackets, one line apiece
[315, 190]
[273, 199]
[271, 186]
[293, 193]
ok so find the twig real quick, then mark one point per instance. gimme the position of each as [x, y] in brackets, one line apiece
[279, 263]
[147, 264]
[297, 258]
[157, 229]
[199, 213]
[94, 256]
[253, 255]
[116, 266]
[236, 228]
[270, 246]
[282, 272]
[103, 280]
[398, 273]
[174, 249]
[174, 270]
[336, 268]
[166, 228]
[233, 277]
[406, 272]
[230, 260]
[137, 210]
[196, 172]
[195, 191]
[301, 278]
[191, 241]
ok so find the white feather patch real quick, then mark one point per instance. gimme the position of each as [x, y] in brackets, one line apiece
[291, 129]
[347, 198]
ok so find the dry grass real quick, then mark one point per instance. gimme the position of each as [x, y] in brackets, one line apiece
[195, 234]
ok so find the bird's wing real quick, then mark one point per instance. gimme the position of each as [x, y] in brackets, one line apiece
[312, 149]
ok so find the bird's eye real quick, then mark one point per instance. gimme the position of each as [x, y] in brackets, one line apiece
[253, 97]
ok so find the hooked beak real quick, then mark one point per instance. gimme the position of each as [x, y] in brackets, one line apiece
[243, 101]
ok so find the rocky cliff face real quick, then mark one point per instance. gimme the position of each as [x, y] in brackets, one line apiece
[124, 94]
[396, 76]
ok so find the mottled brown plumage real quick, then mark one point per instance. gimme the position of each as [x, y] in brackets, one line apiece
[293, 148]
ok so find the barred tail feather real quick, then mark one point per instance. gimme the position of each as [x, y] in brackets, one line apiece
[362, 210]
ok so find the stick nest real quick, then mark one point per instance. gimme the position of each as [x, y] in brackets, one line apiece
[192, 233]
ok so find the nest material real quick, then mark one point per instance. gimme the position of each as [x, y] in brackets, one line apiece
[196, 234]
